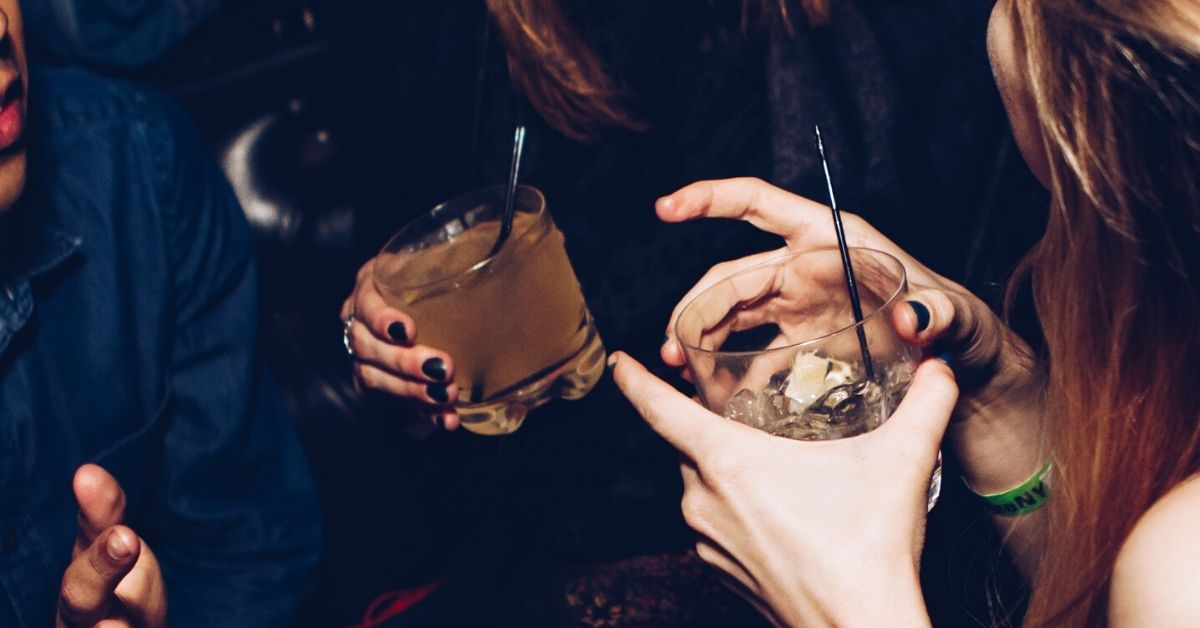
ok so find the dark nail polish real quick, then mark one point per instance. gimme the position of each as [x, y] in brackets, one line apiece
[922, 314]
[944, 357]
[435, 368]
[437, 392]
[398, 332]
[439, 420]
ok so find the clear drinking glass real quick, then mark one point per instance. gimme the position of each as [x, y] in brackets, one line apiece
[515, 324]
[776, 347]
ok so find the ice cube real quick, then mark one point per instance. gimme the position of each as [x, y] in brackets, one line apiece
[779, 381]
[807, 378]
[780, 408]
[812, 375]
[745, 407]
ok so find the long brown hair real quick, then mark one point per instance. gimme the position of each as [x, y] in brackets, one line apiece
[1117, 92]
[564, 80]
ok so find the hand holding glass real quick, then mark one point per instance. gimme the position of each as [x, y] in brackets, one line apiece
[515, 323]
[776, 346]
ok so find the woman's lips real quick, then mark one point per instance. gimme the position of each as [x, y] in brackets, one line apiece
[12, 118]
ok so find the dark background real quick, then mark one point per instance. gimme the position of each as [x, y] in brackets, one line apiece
[295, 101]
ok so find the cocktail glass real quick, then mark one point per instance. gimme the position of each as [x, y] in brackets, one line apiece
[776, 346]
[515, 324]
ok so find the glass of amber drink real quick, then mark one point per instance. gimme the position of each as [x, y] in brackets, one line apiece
[515, 323]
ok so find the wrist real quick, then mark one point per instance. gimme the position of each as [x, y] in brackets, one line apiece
[1001, 445]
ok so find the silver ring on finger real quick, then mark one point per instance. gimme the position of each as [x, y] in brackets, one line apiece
[347, 326]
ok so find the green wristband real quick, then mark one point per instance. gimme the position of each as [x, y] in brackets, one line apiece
[1022, 500]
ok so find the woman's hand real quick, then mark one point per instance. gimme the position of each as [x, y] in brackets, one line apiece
[386, 358]
[999, 433]
[814, 533]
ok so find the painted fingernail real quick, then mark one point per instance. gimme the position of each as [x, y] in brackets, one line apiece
[437, 392]
[118, 548]
[944, 357]
[435, 368]
[611, 362]
[397, 331]
[439, 421]
[922, 314]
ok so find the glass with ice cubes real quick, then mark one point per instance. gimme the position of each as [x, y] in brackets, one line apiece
[776, 346]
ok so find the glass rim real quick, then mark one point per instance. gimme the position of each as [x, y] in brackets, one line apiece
[902, 283]
[483, 263]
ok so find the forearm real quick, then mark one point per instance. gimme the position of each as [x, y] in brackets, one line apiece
[1001, 445]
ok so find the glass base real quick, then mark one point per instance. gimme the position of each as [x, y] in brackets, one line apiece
[572, 380]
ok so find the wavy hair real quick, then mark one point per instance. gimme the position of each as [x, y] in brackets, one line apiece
[563, 78]
[1116, 86]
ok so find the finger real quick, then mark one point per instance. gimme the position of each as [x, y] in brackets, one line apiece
[926, 408]
[672, 350]
[101, 503]
[441, 395]
[763, 205]
[91, 579]
[682, 422]
[953, 323]
[447, 420]
[385, 322]
[418, 362]
[364, 272]
[801, 222]
[715, 555]
[142, 593]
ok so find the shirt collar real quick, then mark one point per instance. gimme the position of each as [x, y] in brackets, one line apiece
[32, 245]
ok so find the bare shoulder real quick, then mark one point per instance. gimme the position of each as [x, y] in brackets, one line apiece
[1156, 580]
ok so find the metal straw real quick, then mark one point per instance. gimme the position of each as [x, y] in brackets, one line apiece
[851, 283]
[514, 172]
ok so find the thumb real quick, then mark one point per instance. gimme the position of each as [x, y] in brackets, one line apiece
[91, 579]
[101, 503]
[685, 424]
[926, 408]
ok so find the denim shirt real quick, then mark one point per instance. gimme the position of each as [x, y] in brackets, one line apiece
[128, 322]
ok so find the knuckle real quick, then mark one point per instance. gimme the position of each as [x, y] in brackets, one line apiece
[370, 377]
[721, 465]
[364, 271]
[694, 514]
[72, 600]
[401, 361]
[756, 185]
[707, 553]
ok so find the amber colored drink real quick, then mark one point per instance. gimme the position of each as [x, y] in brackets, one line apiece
[515, 324]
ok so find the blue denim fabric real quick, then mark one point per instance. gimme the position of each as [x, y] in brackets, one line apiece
[128, 338]
[114, 34]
